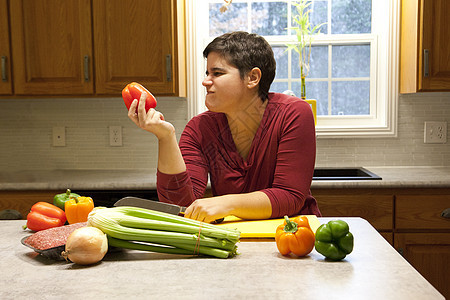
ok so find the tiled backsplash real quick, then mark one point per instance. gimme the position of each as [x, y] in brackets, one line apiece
[26, 135]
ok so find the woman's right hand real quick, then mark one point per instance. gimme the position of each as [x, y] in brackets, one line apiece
[152, 121]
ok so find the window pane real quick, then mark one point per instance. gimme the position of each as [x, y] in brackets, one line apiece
[351, 61]
[350, 98]
[318, 15]
[318, 63]
[279, 87]
[318, 90]
[281, 57]
[351, 16]
[269, 18]
[234, 19]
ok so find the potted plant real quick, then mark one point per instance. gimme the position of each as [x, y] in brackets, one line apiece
[305, 33]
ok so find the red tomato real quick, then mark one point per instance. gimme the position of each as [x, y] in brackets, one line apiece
[133, 91]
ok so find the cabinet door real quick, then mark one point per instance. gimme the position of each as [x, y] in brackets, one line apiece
[134, 41]
[421, 212]
[377, 209]
[429, 253]
[5, 55]
[436, 45]
[52, 47]
[22, 201]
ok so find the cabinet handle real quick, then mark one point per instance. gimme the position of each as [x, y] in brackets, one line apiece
[169, 67]
[86, 68]
[4, 77]
[426, 66]
[446, 213]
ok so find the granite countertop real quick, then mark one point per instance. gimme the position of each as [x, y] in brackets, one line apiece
[392, 177]
[374, 270]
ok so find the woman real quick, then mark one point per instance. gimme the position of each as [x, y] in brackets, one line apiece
[258, 148]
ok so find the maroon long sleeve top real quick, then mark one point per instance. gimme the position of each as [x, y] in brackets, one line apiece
[280, 162]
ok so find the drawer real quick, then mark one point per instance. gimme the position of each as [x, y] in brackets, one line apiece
[23, 200]
[376, 209]
[421, 211]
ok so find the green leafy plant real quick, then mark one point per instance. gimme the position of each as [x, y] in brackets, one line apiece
[305, 33]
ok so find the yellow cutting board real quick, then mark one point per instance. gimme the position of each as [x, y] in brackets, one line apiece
[261, 228]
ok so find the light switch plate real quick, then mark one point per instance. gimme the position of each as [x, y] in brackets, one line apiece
[435, 133]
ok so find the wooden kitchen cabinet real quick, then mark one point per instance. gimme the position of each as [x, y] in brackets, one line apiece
[422, 235]
[410, 219]
[5, 55]
[51, 45]
[23, 200]
[135, 41]
[424, 44]
[377, 208]
[428, 253]
[94, 47]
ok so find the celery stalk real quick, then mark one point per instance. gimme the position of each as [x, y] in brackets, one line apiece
[136, 222]
[134, 228]
[161, 216]
[173, 250]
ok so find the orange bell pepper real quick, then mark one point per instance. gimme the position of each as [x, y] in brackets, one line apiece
[78, 209]
[295, 236]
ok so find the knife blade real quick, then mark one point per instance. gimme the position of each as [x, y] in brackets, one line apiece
[155, 205]
[151, 204]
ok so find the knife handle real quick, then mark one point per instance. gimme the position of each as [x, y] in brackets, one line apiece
[218, 221]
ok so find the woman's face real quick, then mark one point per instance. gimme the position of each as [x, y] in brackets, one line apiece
[224, 86]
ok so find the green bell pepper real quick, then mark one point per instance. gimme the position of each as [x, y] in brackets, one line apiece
[60, 199]
[334, 240]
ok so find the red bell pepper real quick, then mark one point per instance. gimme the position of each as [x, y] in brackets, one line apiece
[133, 91]
[44, 215]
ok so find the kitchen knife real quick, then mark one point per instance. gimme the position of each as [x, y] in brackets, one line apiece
[151, 204]
[155, 205]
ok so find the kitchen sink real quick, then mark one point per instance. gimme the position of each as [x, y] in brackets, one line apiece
[358, 173]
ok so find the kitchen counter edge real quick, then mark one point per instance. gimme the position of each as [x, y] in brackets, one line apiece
[392, 177]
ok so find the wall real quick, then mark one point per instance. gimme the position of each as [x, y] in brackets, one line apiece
[26, 135]
[407, 149]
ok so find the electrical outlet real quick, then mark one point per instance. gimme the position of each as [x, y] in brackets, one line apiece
[59, 136]
[115, 136]
[435, 133]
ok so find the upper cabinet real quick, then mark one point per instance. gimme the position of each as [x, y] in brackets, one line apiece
[51, 47]
[424, 46]
[5, 55]
[134, 41]
[92, 47]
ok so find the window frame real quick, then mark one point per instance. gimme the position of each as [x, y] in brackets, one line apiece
[382, 122]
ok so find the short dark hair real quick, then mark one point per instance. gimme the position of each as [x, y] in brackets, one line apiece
[245, 51]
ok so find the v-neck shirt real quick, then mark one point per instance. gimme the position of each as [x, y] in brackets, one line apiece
[280, 161]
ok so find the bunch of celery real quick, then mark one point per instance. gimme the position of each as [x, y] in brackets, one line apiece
[149, 230]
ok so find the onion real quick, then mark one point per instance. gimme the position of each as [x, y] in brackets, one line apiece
[86, 245]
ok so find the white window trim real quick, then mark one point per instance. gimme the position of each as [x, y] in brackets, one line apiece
[381, 124]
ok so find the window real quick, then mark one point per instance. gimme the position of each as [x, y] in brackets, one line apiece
[353, 67]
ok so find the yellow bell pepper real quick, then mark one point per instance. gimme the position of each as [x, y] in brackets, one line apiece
[78, 209]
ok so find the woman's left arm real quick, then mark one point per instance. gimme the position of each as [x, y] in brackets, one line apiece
[254, 205]
[295, 159]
